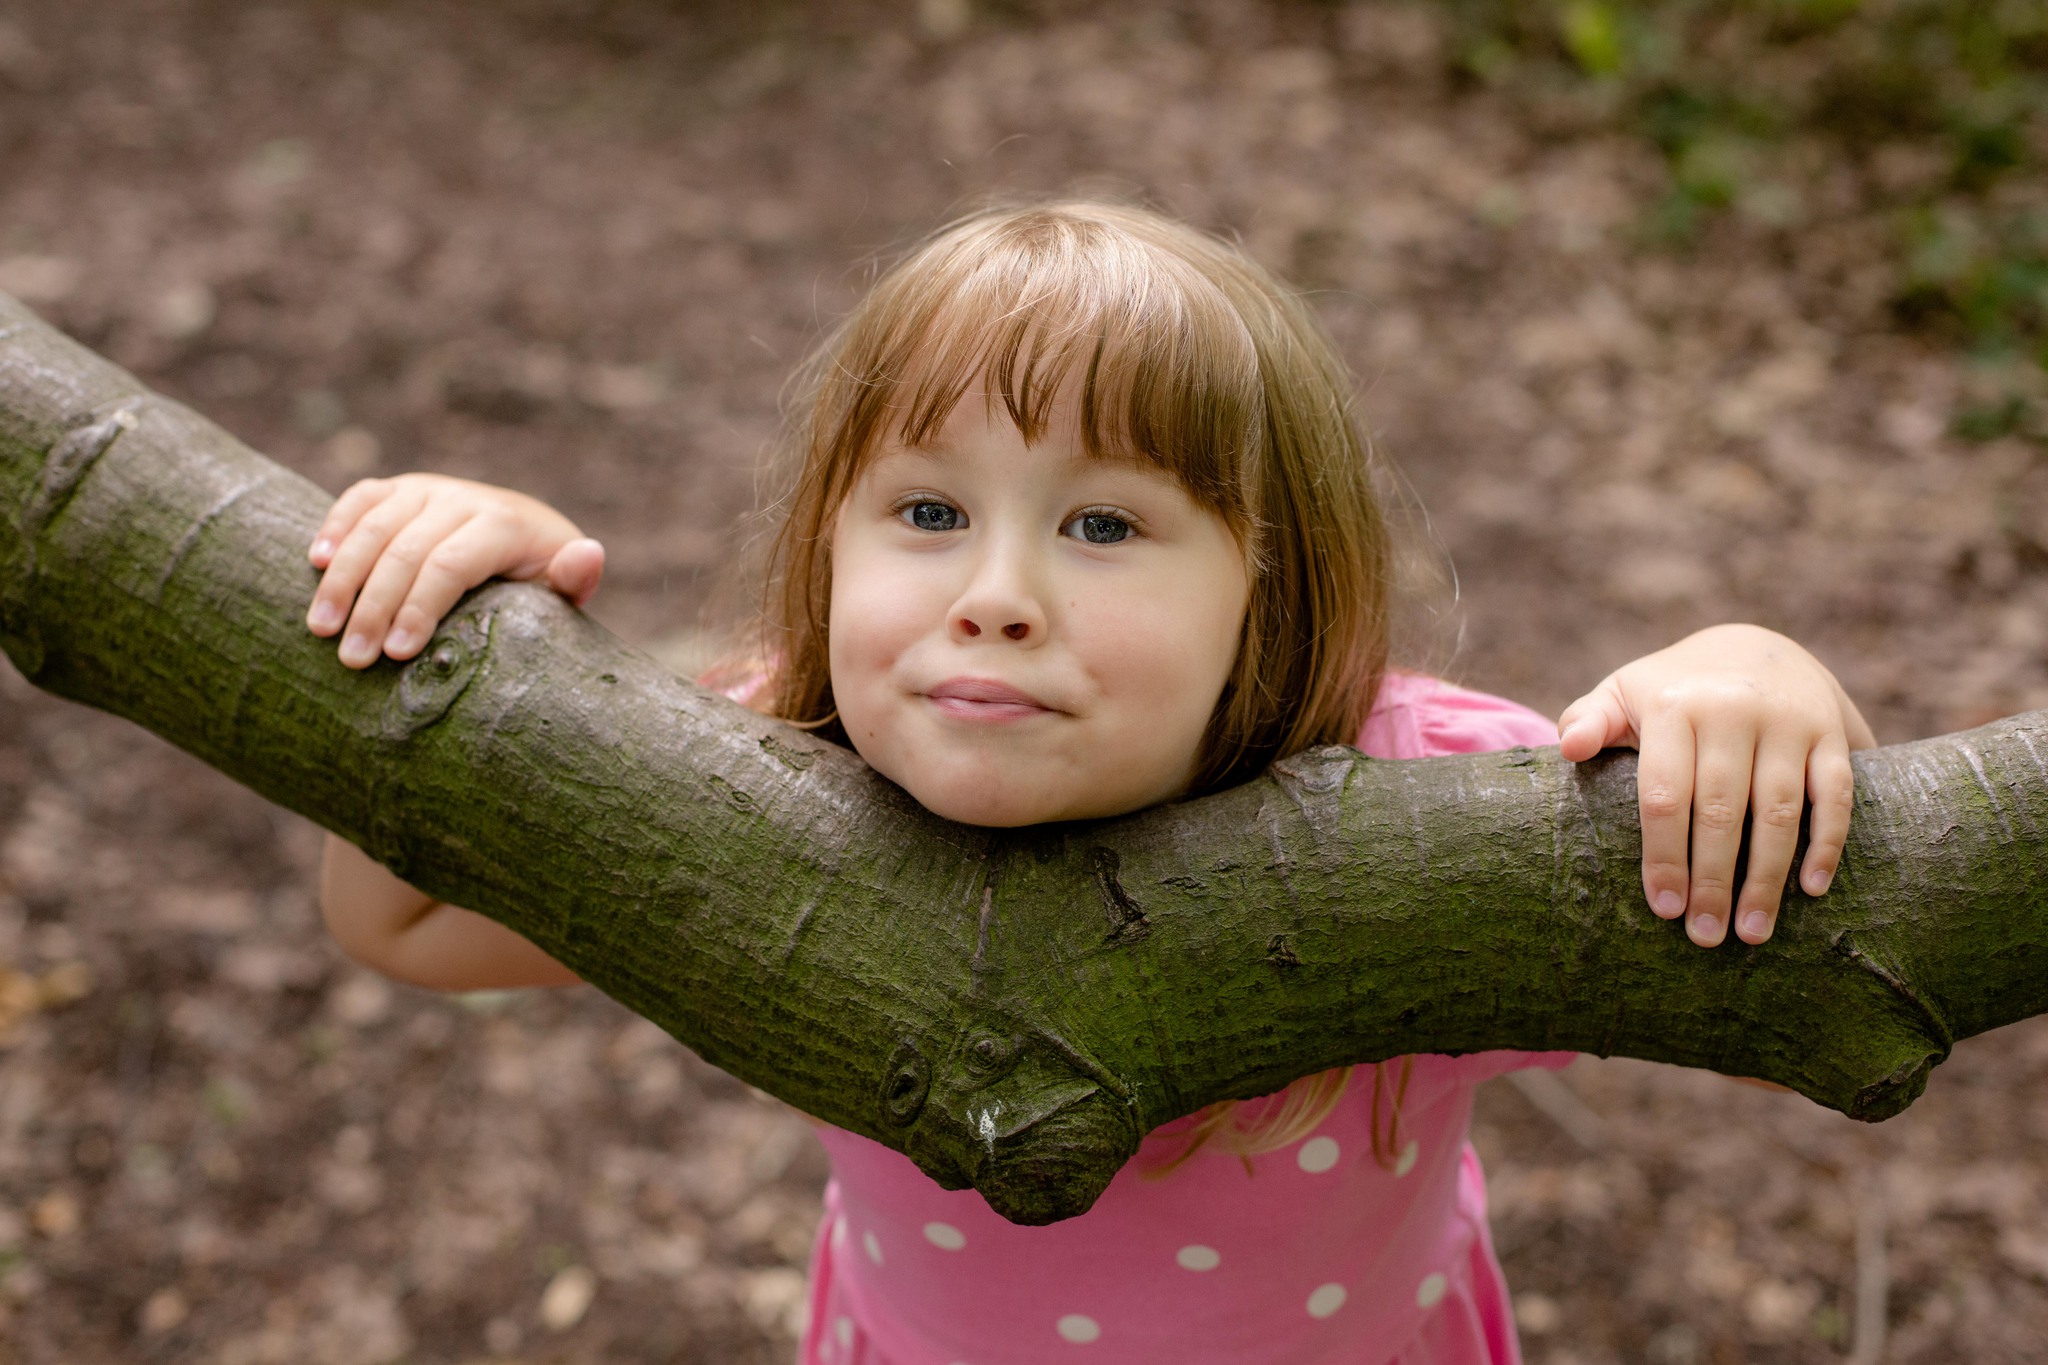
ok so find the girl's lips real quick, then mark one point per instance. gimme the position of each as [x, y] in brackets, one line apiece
[984, 699]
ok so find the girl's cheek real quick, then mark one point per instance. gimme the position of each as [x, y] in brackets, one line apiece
[878, 619]
[1171, 646]
[1130, 639]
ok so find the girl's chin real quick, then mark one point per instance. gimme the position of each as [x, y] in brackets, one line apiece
[977, 809]
[976, 804]
[970, 798]
[998, 791]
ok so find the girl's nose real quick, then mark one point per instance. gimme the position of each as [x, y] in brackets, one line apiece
[998, 604]
[1016, 630]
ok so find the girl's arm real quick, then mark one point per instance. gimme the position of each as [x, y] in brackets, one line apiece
[396, 554]
[406, 934]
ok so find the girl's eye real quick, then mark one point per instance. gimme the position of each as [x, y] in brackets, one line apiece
[932, 516]
[1100, 528]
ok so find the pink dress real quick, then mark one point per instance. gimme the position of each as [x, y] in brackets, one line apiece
[1321, 1253]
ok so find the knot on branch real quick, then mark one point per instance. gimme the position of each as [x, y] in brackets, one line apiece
[906, 1081]
[1036, 1125]
[1904, 1083]
[990, 1058]
[431, 683]
[64, 468]
[1934, 1027]
[1314, 780]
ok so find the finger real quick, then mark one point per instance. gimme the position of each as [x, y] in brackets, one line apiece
[576, 570]
[391, 579]
[1596, 721]
[1777, 797]
[356, 554]
[1831, 785]
[356, 499]
[1664, 783]
[470, 553]
[1720, 799]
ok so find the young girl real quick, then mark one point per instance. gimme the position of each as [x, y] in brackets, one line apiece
[1077, 521]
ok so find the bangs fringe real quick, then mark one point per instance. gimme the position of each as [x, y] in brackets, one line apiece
[1033, 306]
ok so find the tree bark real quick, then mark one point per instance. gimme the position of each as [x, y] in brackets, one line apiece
[1013, 1009]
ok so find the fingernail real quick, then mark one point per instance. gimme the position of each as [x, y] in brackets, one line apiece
[398, 641]
[357, 649]
[1817, 883]
[1670, 904]
[1755, 925]
[325, 616]
[1706, 929]
[322, 548]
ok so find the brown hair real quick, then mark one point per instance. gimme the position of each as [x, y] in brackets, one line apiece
[1183, 354]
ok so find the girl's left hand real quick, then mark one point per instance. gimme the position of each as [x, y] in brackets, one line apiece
[398, 553]
[1732, 718]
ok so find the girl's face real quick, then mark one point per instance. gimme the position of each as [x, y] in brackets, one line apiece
[1020, 633]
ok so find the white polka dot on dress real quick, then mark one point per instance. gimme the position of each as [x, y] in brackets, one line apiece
[874, 1248]
[843, 1329]
[1326, 1299]
[1318, 1154]
[1198, 1258]
[1406, 1162]
[1431, 1291]
[1079, 1328]
[839, 1235]
[945, 1236]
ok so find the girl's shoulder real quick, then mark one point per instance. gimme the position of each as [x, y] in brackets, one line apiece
[1417, 716]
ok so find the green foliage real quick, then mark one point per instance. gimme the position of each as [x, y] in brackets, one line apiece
[1592, 33]
[1936, 111]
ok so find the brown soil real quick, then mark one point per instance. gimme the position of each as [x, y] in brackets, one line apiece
[574, 247]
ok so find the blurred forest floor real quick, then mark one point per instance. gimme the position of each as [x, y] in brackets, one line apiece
[576, 246]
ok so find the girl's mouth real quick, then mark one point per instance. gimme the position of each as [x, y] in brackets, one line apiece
[985, 700]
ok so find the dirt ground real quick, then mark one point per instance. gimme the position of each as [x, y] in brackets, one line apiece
[574, 246]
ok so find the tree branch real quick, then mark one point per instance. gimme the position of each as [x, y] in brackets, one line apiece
[1013, 1009]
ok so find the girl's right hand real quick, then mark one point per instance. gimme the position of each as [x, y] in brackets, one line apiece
[398, 553]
